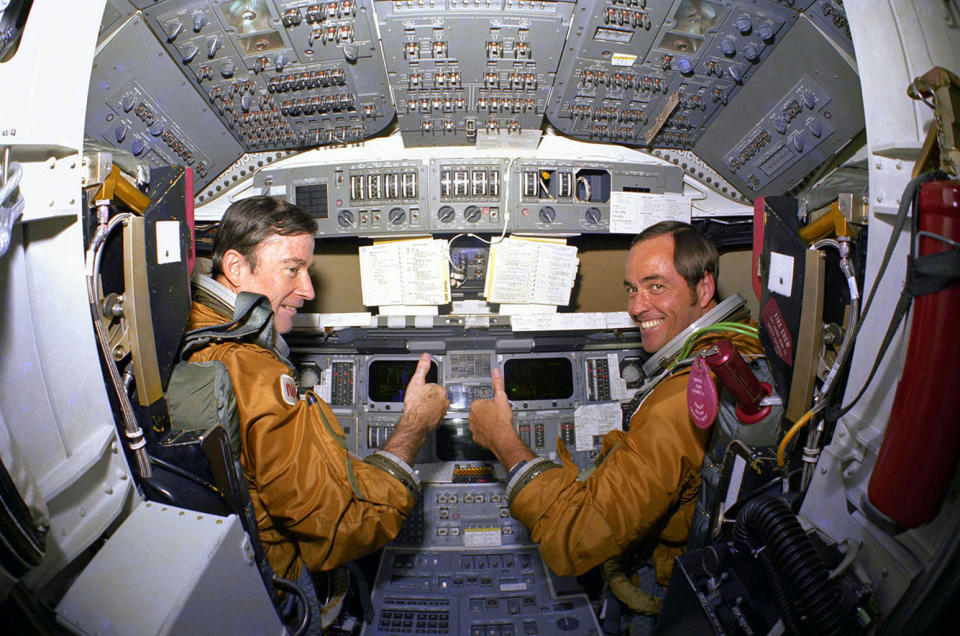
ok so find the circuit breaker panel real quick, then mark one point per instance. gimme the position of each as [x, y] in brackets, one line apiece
[282, 75]
[652, 74]
[139, 105]
[463, 70]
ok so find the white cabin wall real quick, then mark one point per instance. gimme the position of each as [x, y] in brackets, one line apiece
[895, 41]
[53, 399]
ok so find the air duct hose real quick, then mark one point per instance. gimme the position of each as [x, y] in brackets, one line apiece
[814, 599]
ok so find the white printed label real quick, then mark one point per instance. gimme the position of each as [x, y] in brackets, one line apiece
[632, 212]
[593, 420]
[168, 242]
[781, 274]
[481, 537]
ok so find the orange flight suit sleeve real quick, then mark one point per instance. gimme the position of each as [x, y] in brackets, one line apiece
[300, 484]
[646, 482]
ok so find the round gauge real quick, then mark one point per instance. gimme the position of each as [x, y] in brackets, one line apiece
[631, 370]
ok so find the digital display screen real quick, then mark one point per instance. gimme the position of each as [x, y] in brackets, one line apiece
[312, 199]
[387, 379]
[538, 378]
[455, 443]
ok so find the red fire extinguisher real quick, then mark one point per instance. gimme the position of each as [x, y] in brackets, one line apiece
[921, 447]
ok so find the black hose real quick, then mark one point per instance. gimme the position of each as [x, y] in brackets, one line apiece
[814, 597]
[307, 615]
[790, 624]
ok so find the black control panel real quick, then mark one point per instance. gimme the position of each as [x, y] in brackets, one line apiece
[486, 592]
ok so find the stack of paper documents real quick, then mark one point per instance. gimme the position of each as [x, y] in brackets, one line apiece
[528, 270]
[409, 272]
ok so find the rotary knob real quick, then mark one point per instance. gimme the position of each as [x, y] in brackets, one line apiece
[593, 216]
[345, 218]
[471, 214]
[548, 214]
[446, 214]
[397, 216]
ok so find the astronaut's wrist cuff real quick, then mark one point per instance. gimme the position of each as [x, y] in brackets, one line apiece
[525, 473]
[401, 470]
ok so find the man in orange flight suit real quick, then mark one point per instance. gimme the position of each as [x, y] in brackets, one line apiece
[315, 504]
[642, 495]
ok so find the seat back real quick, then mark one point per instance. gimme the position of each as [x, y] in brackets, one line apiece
[739, 458]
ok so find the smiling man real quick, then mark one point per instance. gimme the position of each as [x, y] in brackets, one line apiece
[634, 510]
[670, 281]
[316, 505]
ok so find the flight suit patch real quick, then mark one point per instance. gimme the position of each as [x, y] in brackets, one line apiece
[288, 389]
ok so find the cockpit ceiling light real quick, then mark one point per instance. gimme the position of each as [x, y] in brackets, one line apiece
[247, 16]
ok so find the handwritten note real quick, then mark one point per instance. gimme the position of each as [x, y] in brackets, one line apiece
[414, 272]
[538, 271]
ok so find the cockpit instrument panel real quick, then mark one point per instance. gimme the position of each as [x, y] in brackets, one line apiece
[461, 563]
[387, 379]
[462, 194]
[740, 84]
[364, 383]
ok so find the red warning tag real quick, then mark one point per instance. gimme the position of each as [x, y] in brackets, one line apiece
[702, 400]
